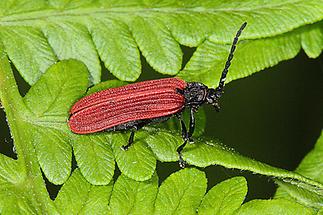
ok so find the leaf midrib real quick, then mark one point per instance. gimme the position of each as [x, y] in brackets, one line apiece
[44, 122]
[45, 14]
[182, 196]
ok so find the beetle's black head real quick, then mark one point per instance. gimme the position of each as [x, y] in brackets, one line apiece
[195, 94]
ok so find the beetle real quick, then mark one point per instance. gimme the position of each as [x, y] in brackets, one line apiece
[133, 106]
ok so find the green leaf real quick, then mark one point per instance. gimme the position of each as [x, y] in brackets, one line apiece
[225, 197]
[22, 174]
[157, 45]
[49, 101]
[10, 171]
[138, 162]
[36, 34]
[312, 167]
[164, 145]
[73, 194]
[97, 202]
[303, 196]
[117, 48]
[53, 94]
[34, 55]
[320, 212]
[312, 164]
[43, 141]
[204, 153]
[208, 61]
[72, 40]
[181, 192]
[312, 41]
[53, 152]
[77, 196]
[13, 187]
[187, 28]
[273, 207]
[14, 6]
[95, 159]
[105, 85]
[133, 197]
[251, 56]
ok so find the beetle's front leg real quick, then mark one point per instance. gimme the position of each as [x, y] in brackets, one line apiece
[192, 125]
[187, 136]
[181, 147]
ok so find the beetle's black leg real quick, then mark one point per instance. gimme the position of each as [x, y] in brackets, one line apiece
[179, 152]
[192, 125]
[181, 147]
[132, 135]
[130, 141]
[187, 136]
[184, 130]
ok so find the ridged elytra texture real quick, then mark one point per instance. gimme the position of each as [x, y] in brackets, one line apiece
[143, 100]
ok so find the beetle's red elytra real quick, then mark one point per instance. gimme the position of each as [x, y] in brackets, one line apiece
[135, 105]
[115, 106]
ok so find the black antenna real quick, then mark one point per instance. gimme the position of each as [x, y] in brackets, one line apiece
[219, 89]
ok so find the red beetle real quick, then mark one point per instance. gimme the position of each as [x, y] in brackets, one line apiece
[136, 105]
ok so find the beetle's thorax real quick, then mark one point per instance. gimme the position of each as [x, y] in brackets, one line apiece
[195, 94]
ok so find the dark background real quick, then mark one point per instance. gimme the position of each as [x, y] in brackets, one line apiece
[274, 116]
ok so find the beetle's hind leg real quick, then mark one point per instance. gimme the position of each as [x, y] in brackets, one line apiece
[134, 128]
[130, 141]
[192, 125]
[181, 147]
[186, 135]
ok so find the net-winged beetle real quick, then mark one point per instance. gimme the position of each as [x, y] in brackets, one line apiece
[136, 105]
